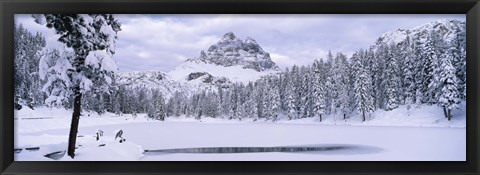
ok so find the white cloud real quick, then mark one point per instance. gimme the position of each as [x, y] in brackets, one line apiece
[282, 61]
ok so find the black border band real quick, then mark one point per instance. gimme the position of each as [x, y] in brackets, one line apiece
[10, 7]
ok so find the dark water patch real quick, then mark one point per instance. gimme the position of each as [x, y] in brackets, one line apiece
[33, 149]
[330, 149]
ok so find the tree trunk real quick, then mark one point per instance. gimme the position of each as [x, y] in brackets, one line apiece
[320, 117]
[363, 115]
[445, 112]
[449, 114]
[72, 138]
[345, 117]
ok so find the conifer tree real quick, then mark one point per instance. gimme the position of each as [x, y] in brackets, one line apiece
[448, 96]
[90, 68]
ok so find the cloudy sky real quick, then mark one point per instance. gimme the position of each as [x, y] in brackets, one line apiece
[161, 42]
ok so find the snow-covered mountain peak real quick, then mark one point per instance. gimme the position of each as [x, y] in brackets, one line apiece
[446, 28]
[250, 40]
[232, 51]
[230, 36]
[229, 60]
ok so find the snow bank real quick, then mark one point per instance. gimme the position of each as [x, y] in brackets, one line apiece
[88, 148]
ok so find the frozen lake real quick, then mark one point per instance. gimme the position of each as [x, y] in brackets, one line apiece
[255, 141]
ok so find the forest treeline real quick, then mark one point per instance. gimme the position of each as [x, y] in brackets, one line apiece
[429, 70]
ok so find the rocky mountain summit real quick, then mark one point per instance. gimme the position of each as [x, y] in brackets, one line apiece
[232, 51]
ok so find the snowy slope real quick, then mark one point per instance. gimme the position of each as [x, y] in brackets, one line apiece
[233, 73]
[150, 80]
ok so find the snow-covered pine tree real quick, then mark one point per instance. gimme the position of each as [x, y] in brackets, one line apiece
[290, 98]
[331, 92]
[459, 62]
[142, 100]
[310, 100]
[409, 72]
[342, 81]
[281, 89]
[226, 106]
[159, 104]
[241, 101]
[53, 71]
[235, 98]
[266, 103]
[448, 96]
[419, 75]
[211, 104]
[275, 102]
[116, 102]
[391, 80]
[17, 51]
[351, 80]
[94, 102]
[363, 89]
[397, 51]
[27, 84]
[378, 68]
[91, 68]
[296, 81]
[250, 106]
[319, 89]
[369, 67]
[273, 98]
[429, 64]
[439, 48]
[156, 108]
[201, 104]
[354, 69]
[304, 92]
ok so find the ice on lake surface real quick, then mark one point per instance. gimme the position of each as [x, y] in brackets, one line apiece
[187, 139]
[192, 141]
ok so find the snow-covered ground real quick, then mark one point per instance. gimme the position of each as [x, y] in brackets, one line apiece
[389, 135]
